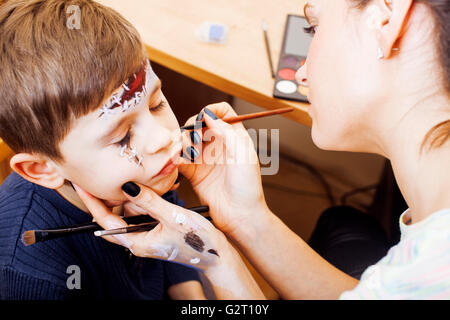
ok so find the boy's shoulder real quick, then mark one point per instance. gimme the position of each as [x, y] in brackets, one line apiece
[15, 200]
[26, 206]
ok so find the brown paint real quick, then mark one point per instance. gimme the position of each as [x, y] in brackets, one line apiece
[212, 251]
[194, 241]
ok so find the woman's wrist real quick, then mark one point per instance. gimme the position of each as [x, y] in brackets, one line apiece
[230, 277]
[252, 226]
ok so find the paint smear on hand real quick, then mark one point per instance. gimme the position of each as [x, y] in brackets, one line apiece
[180, 218]
[174, 254]
[160, 250]
[194, 241]
[195, 260]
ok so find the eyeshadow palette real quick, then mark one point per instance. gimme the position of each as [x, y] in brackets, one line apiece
[293, 55]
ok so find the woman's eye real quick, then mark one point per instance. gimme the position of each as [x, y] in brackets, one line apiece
[310, 30]
[125, 141]
[160, 106]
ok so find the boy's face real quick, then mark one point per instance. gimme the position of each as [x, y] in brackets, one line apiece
[130, 137]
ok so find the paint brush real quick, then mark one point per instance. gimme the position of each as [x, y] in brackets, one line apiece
[240, 118]
[266, 42]
[30, 237]
[139, 228]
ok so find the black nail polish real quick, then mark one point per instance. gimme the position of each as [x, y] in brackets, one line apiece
[195, 138]
[211, 114]
[192, 153]
[199, 117]
[131, 189]
[72, 185]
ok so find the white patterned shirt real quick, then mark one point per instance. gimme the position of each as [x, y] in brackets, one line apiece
[417, 268]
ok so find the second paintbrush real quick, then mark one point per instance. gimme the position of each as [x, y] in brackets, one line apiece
[138, 228]
[249, 116]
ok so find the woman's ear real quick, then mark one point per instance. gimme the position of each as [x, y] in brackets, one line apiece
[37, 169]
[393, 28]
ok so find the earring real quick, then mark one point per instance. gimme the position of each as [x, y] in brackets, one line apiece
[380, 54]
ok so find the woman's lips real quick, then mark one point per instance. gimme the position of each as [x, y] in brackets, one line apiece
[170, 166]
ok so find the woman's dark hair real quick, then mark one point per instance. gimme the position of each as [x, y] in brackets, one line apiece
[440, 10]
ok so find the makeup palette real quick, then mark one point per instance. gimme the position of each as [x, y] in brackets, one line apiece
[293, 55]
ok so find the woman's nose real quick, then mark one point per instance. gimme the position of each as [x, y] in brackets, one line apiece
[300, 76]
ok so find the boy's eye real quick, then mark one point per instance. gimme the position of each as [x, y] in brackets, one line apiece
[310, 30]
[160, 106]
[125, 141]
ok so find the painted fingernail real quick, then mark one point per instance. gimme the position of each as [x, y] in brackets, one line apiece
[195, 138]
[131, 189]
[191, 152]
[211, 114]
[199, 117]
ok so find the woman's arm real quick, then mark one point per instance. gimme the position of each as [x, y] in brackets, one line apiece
[233, 190]
[188, 290]
[288, 263]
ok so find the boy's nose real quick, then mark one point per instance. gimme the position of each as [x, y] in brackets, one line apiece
[158, 138]
[300, 76]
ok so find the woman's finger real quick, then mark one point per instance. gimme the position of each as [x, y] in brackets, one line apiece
[104, 217]
[149, 200]
[164, 211]
[222, 110]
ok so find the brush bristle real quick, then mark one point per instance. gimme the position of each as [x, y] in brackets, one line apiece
[28, 238]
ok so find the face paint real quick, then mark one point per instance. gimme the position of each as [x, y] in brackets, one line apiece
[160, 250]
[131, 154]
[212, 251]
[174, 254]
[130, 93]
[194, 241]
[180, 218]
[195, 260]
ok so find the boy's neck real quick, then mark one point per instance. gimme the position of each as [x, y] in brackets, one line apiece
[68, 193]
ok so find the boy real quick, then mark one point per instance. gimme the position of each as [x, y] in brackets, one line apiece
[80, 103]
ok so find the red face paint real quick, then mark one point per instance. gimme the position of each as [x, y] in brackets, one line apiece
[134, 89]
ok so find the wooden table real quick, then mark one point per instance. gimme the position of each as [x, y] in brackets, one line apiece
[239, 67]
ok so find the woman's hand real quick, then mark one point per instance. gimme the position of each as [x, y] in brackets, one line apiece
[226, 173]
[181, 235]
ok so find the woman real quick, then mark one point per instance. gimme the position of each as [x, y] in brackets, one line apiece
[378, 73]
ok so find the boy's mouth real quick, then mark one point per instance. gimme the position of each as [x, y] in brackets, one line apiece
[169, 167]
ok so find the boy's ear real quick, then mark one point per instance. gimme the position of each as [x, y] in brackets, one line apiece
[36, 169]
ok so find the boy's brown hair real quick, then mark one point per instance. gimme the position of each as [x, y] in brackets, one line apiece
[58, 61]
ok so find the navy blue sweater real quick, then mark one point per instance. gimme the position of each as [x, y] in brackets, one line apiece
[42, 270]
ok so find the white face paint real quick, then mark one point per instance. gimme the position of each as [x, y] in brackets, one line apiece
[123, 99]
[174, 254]
[129, 95]
[195, 260]
[180, 218]
[159, 250]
